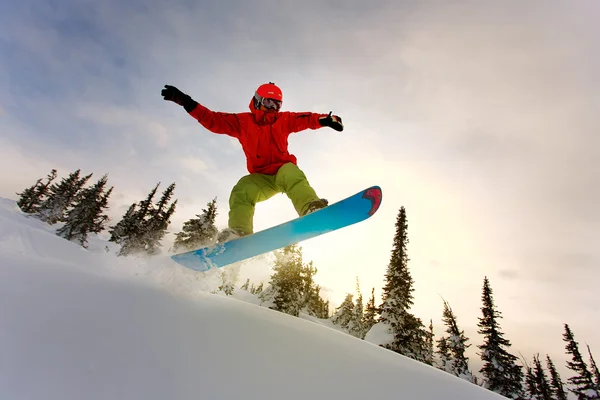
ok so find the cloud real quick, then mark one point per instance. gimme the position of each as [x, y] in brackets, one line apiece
[130, 121]
[480, 119]
[195, 165]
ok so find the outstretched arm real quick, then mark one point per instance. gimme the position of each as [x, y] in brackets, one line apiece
[302, 121]
[216, 122]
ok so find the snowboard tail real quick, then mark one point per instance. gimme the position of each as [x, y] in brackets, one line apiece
[346, 212]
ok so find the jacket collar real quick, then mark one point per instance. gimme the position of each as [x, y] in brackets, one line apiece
[262, 117]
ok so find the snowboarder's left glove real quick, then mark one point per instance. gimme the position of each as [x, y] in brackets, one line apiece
[171, 93]
[332, 121]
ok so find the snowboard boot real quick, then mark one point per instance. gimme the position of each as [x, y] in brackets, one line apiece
[229, 234]
[316, 205]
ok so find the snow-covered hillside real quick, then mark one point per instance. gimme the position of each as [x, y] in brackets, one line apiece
[85, 324]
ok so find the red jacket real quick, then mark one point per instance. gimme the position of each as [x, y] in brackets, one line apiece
[263, 135]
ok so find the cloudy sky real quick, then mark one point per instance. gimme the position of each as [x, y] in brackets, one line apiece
[480, 118]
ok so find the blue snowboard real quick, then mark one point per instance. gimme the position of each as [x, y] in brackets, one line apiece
[338, 215]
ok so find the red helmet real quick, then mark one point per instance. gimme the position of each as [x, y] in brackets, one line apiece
[269, 91]
[268, 95]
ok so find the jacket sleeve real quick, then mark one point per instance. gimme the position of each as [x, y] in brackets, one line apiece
[217, 122]
[306, 120]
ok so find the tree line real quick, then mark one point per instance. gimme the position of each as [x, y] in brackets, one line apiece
[391, 325]
[80, 211]
[397, 329]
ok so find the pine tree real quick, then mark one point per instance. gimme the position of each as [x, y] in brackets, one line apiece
[594, 369]
[145, 205]
[144, 225]
[538, 387]
[408, 332]
[257, 290]
[308, 284]
[156, 225]
[126, 227]
[344, 314]
[530, 383]
[543, 386]
[292, 288]
[159, 221]
[444, 356]
[357, 328]
[131, 225]
[501, 373]
[583, 383]
[246, 285]
[198, 232]
[28, 200]
[86, 216]
[287, 282]
[31, 198]
[456, 343]
[370, 315]
[226, 285]
[558, 390]
[60, 197]
[326, 309]
[316, 306]
[429, 345]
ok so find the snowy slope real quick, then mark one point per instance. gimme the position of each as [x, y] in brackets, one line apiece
[81, 324]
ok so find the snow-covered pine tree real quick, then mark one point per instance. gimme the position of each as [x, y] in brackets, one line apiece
[257, 290]
[308, 283]
[536, 382]
[370, 315]
[408, 335]
[357, 329]
[31, 198]
[456, 343]
[558, 389]
[144, 225]
[583, 385]
[325, 313]
[126, 227]
[227, 286]
[86, 215]
[316, 306]
[292, 288]
[500, 371]
[344, 314]
[287, 282]
[429, 345]
[198, 232]
[444, 355]
[60, 196]
[28, 200]
[145, 206]
[246, 285]
[158, 222]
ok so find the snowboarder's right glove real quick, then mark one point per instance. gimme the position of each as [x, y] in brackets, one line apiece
[171, 93]
[332, 121]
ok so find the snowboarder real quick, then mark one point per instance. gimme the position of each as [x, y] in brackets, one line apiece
[263, 133]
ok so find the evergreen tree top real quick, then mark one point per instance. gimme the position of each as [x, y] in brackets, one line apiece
[397, 293]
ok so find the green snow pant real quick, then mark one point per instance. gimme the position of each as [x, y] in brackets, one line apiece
[254, 188]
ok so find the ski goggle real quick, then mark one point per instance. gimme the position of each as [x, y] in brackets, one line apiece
[270, 103]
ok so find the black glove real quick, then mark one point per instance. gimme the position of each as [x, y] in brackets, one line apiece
[332, 121]
[171, 93]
